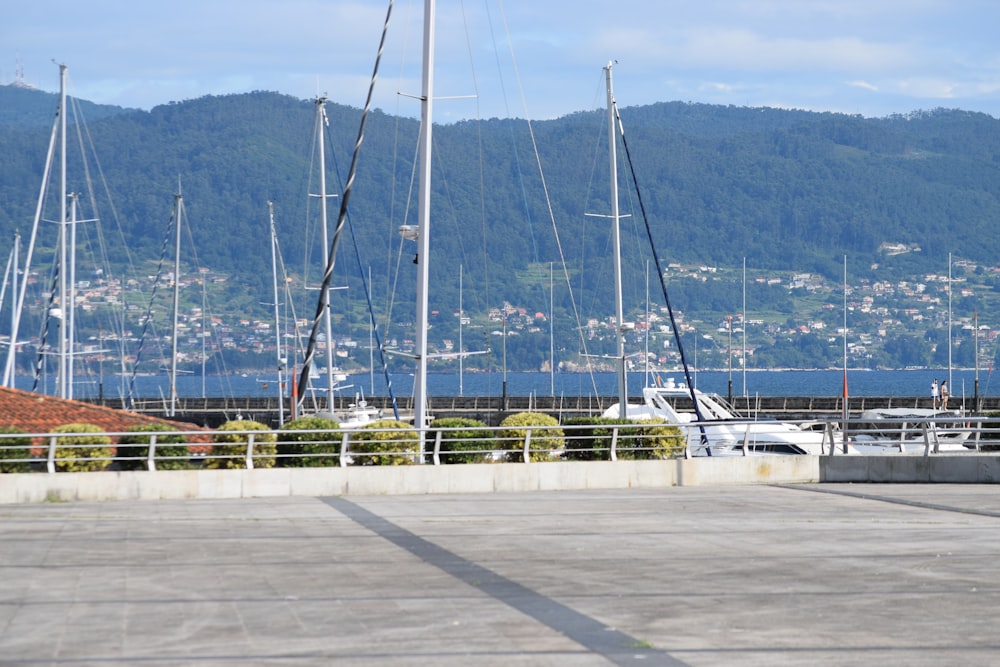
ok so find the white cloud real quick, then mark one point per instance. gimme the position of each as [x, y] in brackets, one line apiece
[864, 84]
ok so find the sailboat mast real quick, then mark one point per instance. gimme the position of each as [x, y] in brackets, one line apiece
[950, 385]
[277, 313]
[423, 219]
[9, 369]
[327, 318]
[461, 314]
[178, 205]
[69, 308]
[63, 380]
[616, 232]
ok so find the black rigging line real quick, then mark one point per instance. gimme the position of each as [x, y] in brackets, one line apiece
[130, 396]
[324, 296]
[368, 300]
[659, 275]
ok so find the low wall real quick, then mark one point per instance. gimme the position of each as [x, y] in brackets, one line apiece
[962, 469]
[487, 478]
[394, 480]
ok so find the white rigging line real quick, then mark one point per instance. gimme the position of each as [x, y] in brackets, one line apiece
[545, 189]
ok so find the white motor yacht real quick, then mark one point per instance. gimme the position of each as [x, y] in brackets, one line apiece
[722, 432]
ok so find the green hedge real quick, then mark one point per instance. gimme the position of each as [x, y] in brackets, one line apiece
[461, 440]
[231, 448]
[650, 439]
[172, 452]
[591, 439]
[399, 445]
[309, 442]
[16, 451]
[87, 452]
[546, 444]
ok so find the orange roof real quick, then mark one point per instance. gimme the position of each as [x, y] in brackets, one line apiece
[38, 413]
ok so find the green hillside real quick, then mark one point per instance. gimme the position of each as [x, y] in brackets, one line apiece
[786, 192]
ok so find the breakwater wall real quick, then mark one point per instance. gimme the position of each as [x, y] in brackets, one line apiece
[212, 412]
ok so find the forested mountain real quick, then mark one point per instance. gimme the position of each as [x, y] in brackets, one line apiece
[780, 190]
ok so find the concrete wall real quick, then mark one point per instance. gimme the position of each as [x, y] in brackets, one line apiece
[391, 480]
[487, 478]
[962, 469]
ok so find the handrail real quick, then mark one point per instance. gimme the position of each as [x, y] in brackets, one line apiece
[610, 442]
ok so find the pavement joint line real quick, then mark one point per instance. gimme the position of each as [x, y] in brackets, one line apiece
[618, 647]
[886, 499]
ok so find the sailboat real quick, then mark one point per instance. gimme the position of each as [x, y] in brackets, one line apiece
[712, 428]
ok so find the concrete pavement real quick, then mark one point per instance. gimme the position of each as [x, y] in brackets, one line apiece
[752, 575]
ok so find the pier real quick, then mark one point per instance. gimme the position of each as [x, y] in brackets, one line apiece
[491, 410]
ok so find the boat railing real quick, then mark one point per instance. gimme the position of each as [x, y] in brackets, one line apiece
[58, 452]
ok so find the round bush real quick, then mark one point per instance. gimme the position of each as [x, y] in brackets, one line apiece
[88, 450]
[545, 442]
[462, 441]
[172, 452]
[15, 452]
[399, 444]
[309, 442]
[229, 449]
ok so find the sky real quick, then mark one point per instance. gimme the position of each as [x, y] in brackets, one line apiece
[532, 59]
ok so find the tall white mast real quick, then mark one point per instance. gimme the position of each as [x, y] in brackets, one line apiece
[8, 377]
[69, 307]
[461, 314]
[277, 314]
[951, 387]
[423, 219]
[321, 122]
[616, 232]
[178, 207]
[63, 381]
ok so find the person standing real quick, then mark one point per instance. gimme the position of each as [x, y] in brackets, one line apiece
[934, 394]
[944, 394]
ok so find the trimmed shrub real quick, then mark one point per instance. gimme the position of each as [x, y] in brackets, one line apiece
[309, 442]
[371, 446]
[87, 452]
[545, 443]
[590, 440]
[650, 439]
[172, 452]
[231, 448]
[461, 440]
[16, 451]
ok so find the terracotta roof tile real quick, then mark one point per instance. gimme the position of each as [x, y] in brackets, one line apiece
[39, 413]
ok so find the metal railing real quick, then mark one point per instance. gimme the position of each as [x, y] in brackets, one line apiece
[57, 452]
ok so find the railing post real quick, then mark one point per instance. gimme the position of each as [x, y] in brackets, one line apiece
[614, 442]
[343, 449]
[250, 451]
[746, 437]
[527, 445]
[51, 463]
[927, 439]
[151, 454]
[437, 448]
